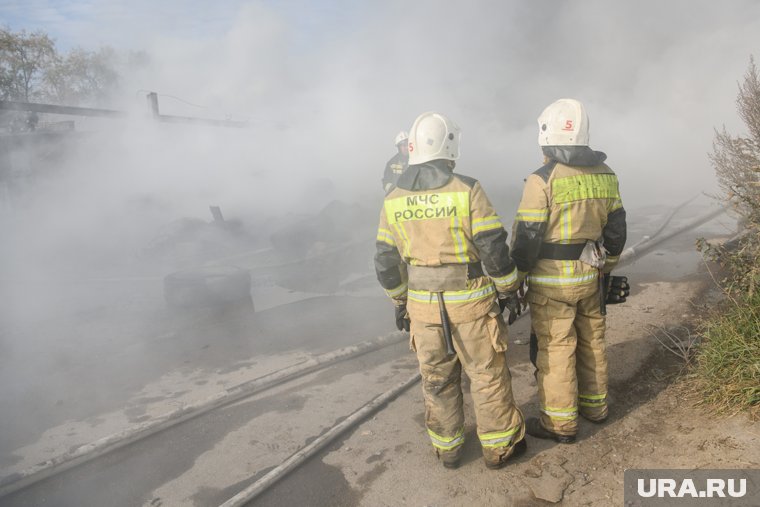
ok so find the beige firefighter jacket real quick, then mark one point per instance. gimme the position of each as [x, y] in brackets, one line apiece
[437, 232]
[575, 197]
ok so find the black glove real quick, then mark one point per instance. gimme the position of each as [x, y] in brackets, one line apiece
[618, 289]
[510, 301]
[402, 317]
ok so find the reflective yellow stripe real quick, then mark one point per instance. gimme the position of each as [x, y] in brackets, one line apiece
[616, 205]
[585, 186]
[592, 400]
[532, 215]
[505, 280]
[564, 223]
[404, 238]
[561, 417]
[385, 236]
[427, 206]
[486, 224]
[398, 291]
[446, 443]
[498, 439]
[561, 414]
[460, 247]
[562, 280]
[453, 297]
[567, 410]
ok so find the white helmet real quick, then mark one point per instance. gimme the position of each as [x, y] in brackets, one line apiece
[433, 136]
[563, 123]
[401, 137]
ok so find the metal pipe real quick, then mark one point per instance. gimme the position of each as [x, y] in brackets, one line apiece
[10, 105]
[630, 255]
[90, 451]
[314, 447]
[670, 217]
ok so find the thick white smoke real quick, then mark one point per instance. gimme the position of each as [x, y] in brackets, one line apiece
[326, 89]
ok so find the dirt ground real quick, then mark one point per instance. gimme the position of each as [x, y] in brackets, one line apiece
[653, 424]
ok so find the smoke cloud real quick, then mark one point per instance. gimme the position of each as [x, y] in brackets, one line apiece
[326, 89]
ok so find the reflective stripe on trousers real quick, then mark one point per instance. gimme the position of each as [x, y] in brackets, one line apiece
[561, 414]
[499, 438]
[592, 400]
[446, 443]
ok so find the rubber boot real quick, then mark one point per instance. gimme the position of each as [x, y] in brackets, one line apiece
[534, 428]
[595, 421]
[450, 459]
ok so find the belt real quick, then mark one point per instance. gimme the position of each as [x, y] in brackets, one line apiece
[561, 251]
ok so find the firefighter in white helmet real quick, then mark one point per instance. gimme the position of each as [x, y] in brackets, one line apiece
[443, 258]
[569, 231]
[398, 163]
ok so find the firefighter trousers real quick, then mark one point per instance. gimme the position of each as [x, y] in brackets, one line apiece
[572, 356]
[480, 349]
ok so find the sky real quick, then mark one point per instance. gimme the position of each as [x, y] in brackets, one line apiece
[327, 86]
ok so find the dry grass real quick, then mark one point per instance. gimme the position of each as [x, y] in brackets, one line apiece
[727, 366]
[679, 341]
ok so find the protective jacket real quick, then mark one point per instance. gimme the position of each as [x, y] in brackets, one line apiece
[573, 198]
[437, 232]
[393, 170]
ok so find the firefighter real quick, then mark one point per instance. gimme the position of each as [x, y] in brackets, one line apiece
[442, 257]
[398, 163]
[569, 231]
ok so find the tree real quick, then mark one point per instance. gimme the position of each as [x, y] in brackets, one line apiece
[736, 159]
[31, 69]
[82, 77]
[23, 59]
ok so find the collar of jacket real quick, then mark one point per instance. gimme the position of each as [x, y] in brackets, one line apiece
[574, 155]
[426, 176]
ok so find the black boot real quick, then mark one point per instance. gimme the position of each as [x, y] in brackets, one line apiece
[534, 428]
